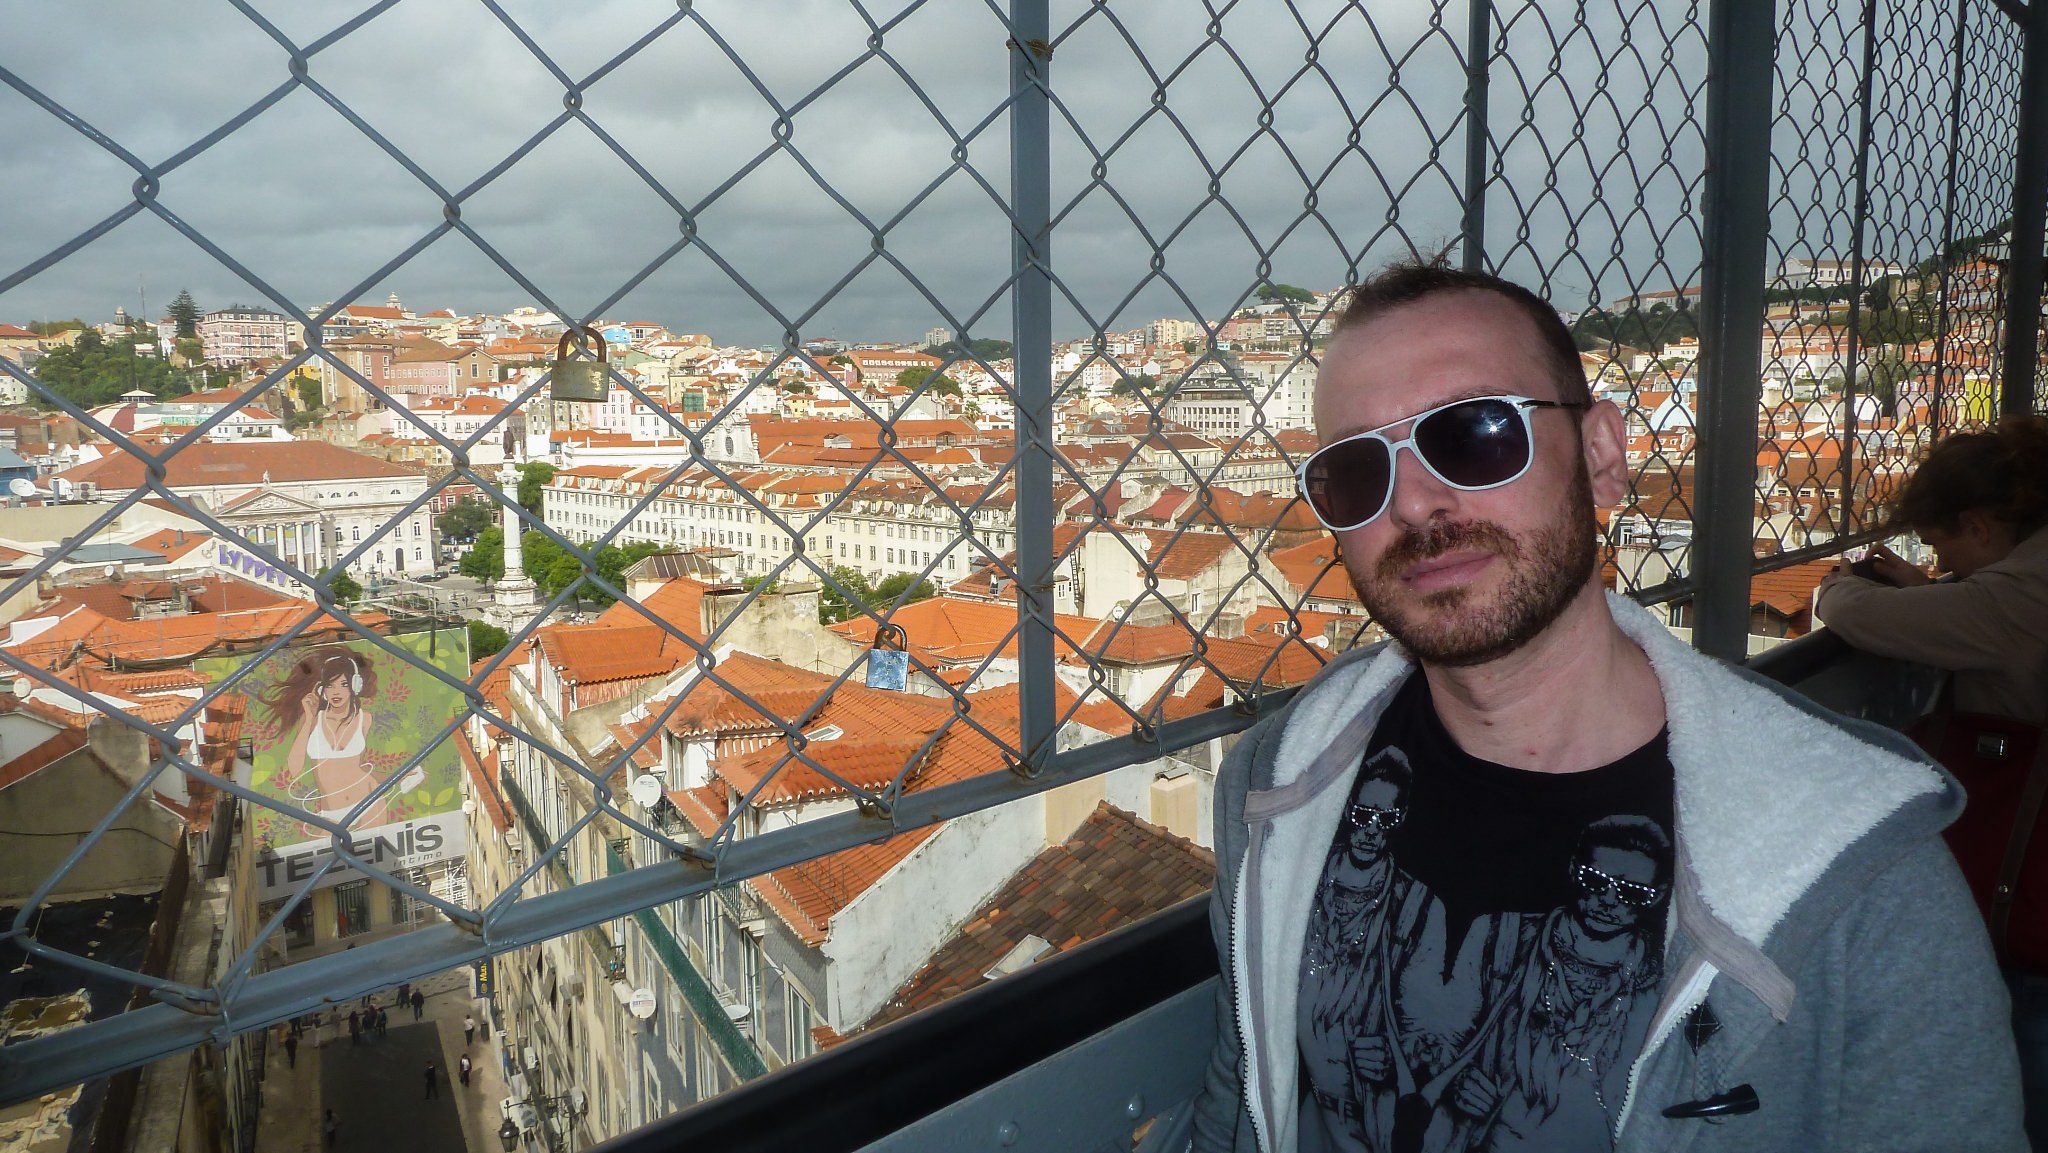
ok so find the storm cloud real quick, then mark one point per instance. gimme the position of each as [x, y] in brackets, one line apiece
[1191, 156]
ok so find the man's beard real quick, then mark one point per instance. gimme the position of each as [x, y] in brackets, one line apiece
[1545, 573]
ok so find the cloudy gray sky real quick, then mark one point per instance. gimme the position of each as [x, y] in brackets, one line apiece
[1597, 140]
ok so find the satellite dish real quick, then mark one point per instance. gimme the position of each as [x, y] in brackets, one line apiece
[21, 486]
[22, 687]
[641, 1003]
[645, 790]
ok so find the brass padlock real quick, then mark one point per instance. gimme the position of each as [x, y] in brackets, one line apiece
[583, 380]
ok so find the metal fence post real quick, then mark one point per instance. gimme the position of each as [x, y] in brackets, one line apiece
[1960, 62]
[2029, 207]
[1031, 296]
[1860, 222]
[1741, 43]
[1478, 64]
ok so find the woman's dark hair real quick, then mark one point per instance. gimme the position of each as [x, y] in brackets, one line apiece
[315, 670]
[2002, 470]
[1414, 280]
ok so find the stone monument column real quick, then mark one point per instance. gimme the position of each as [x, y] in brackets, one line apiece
[516, 596]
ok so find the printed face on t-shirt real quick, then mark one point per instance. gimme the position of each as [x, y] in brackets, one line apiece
[1616, 886]
[1375, 813]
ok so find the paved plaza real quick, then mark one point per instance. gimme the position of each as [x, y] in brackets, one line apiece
[377, 1088]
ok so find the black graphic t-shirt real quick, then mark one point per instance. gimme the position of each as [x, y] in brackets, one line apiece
[1486, 947]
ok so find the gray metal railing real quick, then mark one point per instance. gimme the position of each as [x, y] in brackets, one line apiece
[1630, 161]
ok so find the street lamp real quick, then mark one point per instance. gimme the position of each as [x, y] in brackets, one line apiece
[508, 1136]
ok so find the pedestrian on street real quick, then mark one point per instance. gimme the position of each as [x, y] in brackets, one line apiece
[464, 1069]
[433, 1083]
[383, 1021]
[355, 1035]
[329, 1126]
[405, 993]
[468, 1029]
[291, 1050]
[419, 1005]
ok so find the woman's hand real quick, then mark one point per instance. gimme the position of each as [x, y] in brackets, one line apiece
[1894, 569]
[309, 705]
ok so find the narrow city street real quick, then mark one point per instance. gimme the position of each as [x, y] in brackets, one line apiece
[377, 1088]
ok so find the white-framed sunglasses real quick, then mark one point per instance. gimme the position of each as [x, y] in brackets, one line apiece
[1473, 445]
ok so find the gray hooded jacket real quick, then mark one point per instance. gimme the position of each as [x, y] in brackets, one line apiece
[1815, 908]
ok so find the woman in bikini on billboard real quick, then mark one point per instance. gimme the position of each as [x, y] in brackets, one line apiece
[327, 770]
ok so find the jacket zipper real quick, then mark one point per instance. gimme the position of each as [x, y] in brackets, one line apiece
[1695, 992]
[1248, 1076]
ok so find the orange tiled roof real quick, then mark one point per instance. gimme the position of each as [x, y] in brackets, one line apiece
[1315, 570]
[598, 653]
[1789, 591]
[808, 895]
[483, 779]
[206, 463]
[953, 629]
[1114, 870]
[679, 601]
[49, 751]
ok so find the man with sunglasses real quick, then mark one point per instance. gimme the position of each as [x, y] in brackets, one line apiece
[1631, 898]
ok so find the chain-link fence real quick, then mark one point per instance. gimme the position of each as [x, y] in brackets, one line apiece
[1110, 210]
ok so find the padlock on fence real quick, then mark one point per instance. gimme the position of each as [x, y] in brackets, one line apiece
[888, 663]
[580, 380]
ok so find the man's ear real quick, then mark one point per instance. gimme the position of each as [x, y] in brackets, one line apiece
[1603, 439]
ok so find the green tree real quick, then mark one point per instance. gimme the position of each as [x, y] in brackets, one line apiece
[941, 384]
[532, 475]
[551, 566]
[1133, 385]
[1881, 379]
[309, 394]
[1894, 326]
[467, 518]
[92, 371]
[612, 562]
[1285, 293]
[756, 582]
[834, 606]
[53, 327]
[185, 311]
[486, 640]
[903, 584]
[1635, 328]
[485, 560]
[987, 348]
[345, 589]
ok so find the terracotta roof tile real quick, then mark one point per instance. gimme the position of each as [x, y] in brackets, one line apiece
[49, 751]
[679, 601]
[951, 629]
[597, 653]
[1114, 870]
[483, 780]
[207, 462]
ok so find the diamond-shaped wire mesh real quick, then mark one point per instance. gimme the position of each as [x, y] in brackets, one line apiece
[691, 725]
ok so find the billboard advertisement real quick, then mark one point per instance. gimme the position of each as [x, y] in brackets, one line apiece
[328, 726]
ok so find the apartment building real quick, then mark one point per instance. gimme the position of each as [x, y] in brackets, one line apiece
[238, 335]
